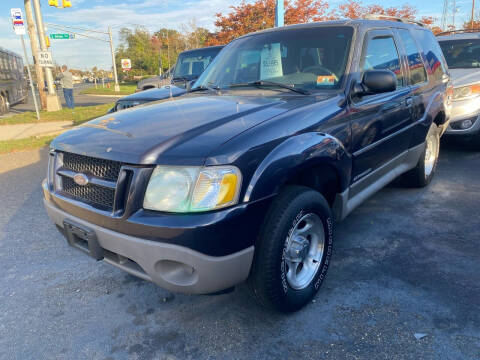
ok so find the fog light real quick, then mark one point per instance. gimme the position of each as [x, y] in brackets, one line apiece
[465, 124]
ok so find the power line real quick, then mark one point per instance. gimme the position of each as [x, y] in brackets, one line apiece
[76, 33]
[78, 28]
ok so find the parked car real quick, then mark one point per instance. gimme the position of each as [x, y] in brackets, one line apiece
[462, 52]
[190, 64]
[147, 96]
[288, 130]
[184, 74]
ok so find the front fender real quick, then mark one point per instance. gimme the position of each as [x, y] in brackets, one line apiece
[296, 154]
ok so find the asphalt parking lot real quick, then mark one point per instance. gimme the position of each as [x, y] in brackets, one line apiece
[406, 262]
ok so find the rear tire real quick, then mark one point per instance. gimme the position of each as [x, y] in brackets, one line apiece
[293, 251]
[423, 173]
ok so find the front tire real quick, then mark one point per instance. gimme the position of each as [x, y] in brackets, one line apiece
[293, 251]
[423, 173]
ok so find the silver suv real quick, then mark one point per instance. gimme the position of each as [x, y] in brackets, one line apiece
[462, 53]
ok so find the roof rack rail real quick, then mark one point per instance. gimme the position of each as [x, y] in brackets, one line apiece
[459, 31]
[392, 18]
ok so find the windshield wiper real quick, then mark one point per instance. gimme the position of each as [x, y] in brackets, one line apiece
[209, 86]
[272, 83]
[184, 78]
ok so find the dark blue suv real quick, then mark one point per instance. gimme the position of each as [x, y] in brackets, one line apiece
[284, 134]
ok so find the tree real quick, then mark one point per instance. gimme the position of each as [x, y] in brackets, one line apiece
[246, 17]
[468, 24]
[137, 46]
[250, 17]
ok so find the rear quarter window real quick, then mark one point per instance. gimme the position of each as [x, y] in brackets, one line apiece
[418, 73]
[433, 53]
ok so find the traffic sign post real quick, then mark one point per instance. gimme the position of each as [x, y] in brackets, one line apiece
[45, 59]
[62, 36]
[126, 64]
[19, 28]
[17, 21]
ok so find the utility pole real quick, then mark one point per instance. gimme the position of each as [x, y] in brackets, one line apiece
[117, 87]
[30, 77]
[32, 34]
[279, 13]
[168, 50]
[473, 14]
[53, 103]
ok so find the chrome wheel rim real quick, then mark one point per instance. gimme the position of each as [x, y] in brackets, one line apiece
[431, 154]
[304, 251]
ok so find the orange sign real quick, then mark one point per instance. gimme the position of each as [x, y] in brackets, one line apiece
[326, 80]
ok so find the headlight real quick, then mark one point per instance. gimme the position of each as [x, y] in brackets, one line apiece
[191, 189]
[466, 91]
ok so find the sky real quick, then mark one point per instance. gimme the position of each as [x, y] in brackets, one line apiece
[84, 53]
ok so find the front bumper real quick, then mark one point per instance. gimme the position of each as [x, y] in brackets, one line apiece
[461, 111]
[172, 267]
[169, 264]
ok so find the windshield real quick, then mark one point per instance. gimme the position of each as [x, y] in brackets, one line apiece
[462, 54]
[192, 63]
[305, 59]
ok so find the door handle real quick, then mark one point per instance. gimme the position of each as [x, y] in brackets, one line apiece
[409, 102]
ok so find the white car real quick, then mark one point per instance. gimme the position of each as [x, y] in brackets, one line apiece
[462, 53]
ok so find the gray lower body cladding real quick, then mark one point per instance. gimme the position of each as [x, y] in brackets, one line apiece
[172, 267]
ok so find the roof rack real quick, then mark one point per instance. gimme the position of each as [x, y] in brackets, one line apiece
[459, 31]
[392, 18]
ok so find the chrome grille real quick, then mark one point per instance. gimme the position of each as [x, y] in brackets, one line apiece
[94, 194]
[104, 169]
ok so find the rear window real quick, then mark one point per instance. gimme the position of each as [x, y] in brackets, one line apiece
[418, 73]
[462, 54]
[433, 53]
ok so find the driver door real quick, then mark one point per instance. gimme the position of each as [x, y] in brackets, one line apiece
[379, 122]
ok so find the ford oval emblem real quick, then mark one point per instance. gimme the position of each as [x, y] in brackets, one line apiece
[81, 179]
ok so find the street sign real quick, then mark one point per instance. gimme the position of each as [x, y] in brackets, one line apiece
[126, 64]
[62, 36]
[17, 21]
[45, 59]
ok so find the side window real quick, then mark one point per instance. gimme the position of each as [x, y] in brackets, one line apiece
[418, 73]
[433, 53]
[381, 54]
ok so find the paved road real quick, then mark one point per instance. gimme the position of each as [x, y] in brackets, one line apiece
[80, 100]
[405, 262]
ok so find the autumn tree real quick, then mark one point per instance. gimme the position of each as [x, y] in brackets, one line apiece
[249, 17]
[468, 24]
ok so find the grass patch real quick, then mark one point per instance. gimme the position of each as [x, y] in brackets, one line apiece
[25, 144]
[78, 115]
[125, 89]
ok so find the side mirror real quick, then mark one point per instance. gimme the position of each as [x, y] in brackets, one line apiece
[376, 82]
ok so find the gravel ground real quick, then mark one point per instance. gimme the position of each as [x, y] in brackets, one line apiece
[406, 262]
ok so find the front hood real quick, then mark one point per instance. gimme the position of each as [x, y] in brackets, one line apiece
[155, 94]
[464, 77]
[180, 131]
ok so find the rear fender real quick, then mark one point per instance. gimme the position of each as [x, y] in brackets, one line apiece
[296, 154]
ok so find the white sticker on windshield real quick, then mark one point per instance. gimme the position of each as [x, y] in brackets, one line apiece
[271, 62]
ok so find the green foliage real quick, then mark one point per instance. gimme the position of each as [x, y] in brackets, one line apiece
[78, 115]
[150, 52]
[25, 144]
